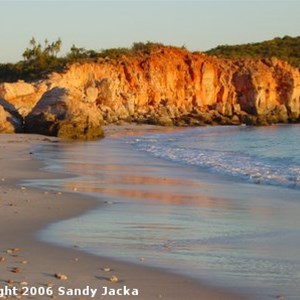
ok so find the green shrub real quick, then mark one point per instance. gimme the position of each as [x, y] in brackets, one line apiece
[286, 48]
[40, 60]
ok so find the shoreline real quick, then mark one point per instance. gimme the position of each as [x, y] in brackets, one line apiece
[37, 262]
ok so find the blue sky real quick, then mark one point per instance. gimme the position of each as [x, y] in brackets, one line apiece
[199, 25]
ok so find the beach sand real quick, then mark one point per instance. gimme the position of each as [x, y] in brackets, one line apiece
[26, 261]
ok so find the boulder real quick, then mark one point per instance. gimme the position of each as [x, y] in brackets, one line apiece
[23, 96]
[249, 119]
[64, 113]
[17, 89]
[294, 108]
[224, 109]
[235, 120]
[10, 120]
[282, 114]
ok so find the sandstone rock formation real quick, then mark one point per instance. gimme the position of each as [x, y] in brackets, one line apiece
[23, 96]
[10, 120]
[165, 86]
[173, 86]
[66, 113]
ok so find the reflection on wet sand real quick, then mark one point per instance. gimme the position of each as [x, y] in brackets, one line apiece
[164, 198]
[116, 177]
[109, 181]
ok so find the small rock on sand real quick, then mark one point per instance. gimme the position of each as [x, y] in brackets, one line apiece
[61, 276]
[114, 278]
[12, 250]
[10, 281]
[106, 269]
[16, 270]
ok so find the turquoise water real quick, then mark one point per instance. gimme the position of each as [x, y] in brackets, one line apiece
[220, 204]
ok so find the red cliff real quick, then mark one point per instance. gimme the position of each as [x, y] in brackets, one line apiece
[173, 86]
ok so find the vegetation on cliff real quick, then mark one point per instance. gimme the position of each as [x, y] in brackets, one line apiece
[40, 60]
[286, 48]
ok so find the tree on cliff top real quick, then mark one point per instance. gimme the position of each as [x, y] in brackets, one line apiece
[40, 56]
[38, 61]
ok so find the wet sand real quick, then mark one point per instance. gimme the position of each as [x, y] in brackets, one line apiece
[25, 261]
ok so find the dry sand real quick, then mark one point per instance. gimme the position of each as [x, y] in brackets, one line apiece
[25, 261]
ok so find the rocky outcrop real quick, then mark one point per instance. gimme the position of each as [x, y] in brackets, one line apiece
[23, 96]
[166, 86]
[10, 120]
[173, 86]
[66, 113]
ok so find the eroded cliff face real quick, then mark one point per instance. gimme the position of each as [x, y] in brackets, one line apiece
[174, 86]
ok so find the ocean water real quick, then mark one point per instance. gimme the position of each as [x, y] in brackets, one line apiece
[266, 155]
[219, 204]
